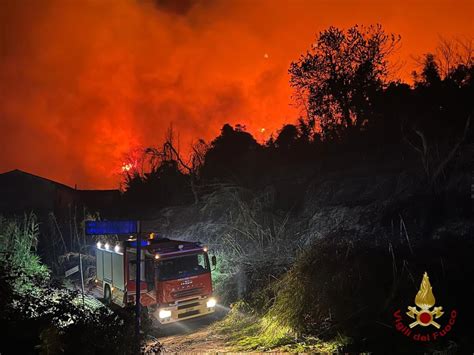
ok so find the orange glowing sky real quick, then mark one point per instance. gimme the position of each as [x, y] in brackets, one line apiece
[84, 82]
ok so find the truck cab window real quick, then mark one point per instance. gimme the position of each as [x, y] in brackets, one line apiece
[184, 266]
[201, 262]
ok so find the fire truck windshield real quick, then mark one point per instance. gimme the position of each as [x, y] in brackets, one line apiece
[183, 266]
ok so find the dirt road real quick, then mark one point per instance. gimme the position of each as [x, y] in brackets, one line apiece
[193, 336]
[200, 341]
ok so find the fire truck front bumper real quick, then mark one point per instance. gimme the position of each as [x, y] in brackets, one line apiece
[186, 309]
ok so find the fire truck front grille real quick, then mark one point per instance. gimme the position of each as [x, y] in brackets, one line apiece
[188, 314]
[188, 305]
[187, 293]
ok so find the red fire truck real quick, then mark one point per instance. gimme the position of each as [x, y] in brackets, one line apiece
[175, 280]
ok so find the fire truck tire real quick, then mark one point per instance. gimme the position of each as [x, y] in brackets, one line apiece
[107, 295]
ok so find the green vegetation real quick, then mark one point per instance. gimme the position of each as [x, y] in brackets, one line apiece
[221, 276]
[270, 302]
[18, 242]
[38, 313]
[246, 331]
[340, 294]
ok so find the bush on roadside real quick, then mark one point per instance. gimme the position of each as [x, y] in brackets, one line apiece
[39, 316]
[350, 287]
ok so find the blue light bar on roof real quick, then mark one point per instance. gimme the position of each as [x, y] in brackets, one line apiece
[143, 243]
[111, 227]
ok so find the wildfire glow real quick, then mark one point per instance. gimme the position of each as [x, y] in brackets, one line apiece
[127, 167]
[120, 80]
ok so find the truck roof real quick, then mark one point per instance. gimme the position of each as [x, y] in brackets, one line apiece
[169, 247]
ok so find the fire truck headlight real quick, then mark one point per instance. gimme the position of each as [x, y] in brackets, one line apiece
[164, 313]
[211, 302]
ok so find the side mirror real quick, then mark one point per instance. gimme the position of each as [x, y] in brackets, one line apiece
[214, 260]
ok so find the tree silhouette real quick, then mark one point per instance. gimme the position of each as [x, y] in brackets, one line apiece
[352, 110]
[227, 154]
[165, 179]
[337, 79]
[169, 154]
[439, 118]
[287, 137]
[430, 73]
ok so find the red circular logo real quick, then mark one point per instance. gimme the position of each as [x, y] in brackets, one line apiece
[425, 317]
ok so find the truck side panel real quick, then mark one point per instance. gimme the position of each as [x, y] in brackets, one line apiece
[117, 265]
[108, 275]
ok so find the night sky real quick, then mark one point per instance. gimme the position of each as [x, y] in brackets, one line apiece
[82, 83]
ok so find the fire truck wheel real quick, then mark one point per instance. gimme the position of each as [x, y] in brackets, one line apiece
[107, 295]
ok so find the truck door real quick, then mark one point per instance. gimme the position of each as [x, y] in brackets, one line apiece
[132, 271]
[150, 271]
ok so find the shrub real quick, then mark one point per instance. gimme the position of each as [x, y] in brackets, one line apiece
[37, 315]
[346, 286]
[18, 242]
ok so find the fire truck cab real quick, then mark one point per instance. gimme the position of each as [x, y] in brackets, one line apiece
[175, 277]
